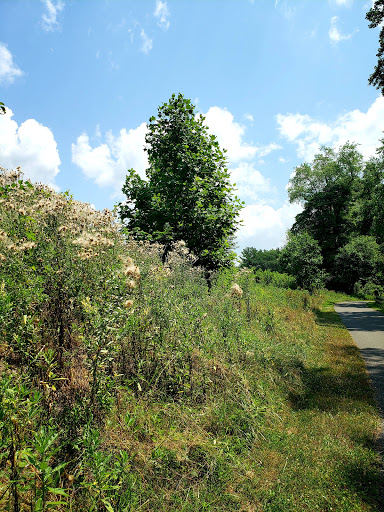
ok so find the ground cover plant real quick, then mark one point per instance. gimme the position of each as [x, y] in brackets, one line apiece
[126, 384]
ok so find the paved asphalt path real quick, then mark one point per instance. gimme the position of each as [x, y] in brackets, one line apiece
[366, 327]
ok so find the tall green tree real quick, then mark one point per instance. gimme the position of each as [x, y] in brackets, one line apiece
[301, 257]
[371, 198]
[359, 260]
[375, 16]
[187, 194]
[327, 188]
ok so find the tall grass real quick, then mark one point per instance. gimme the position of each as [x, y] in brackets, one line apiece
[126, 384]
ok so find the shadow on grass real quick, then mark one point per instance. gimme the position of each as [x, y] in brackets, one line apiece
[323, 390]
[328, 319]
[344, 387]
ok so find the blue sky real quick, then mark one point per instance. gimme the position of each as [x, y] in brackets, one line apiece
[275, 79]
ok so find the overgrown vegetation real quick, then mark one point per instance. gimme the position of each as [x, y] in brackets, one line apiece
[127, 385]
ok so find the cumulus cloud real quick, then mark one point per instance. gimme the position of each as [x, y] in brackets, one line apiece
[8, 70]
[162, 14]
[30, 146]
[265, 227]
[49, 20]
[230, 136]
[146, 42]
[364, 128]
[107, 163]
[251, 185]
[334, 33]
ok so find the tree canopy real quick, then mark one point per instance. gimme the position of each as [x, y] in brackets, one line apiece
[343, 210]
[301, 257]
[375, 16]
[187, 194]
[260, 259]
[327, 188]
[339, 235]
[359, 260]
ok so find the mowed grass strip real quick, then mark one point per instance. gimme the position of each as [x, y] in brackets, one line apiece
[322, 454]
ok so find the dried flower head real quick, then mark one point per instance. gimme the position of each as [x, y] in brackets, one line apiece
[131, 284]
[236, 291]
[132, 271]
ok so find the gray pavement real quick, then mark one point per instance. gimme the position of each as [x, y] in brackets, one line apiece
[367, 329]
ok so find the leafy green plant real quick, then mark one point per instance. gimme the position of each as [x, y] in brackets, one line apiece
[20, 410]
[47, 475]
[301, 257]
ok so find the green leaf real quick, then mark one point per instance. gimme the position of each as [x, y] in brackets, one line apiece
[56, 490]
[108, 506]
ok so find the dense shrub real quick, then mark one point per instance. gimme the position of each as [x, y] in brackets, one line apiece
[278, 279]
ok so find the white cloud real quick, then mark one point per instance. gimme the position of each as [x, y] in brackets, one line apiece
[250, 183]
[265, 227]
[108, 163]
[8, 70]
[30, 146]
[343, 3]
[288, 11]
[334, 33]
[49, 18]
[146, 42]
[364, 128]
[265, 150]
[249, 117]
[162, 14]
[230, 136]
